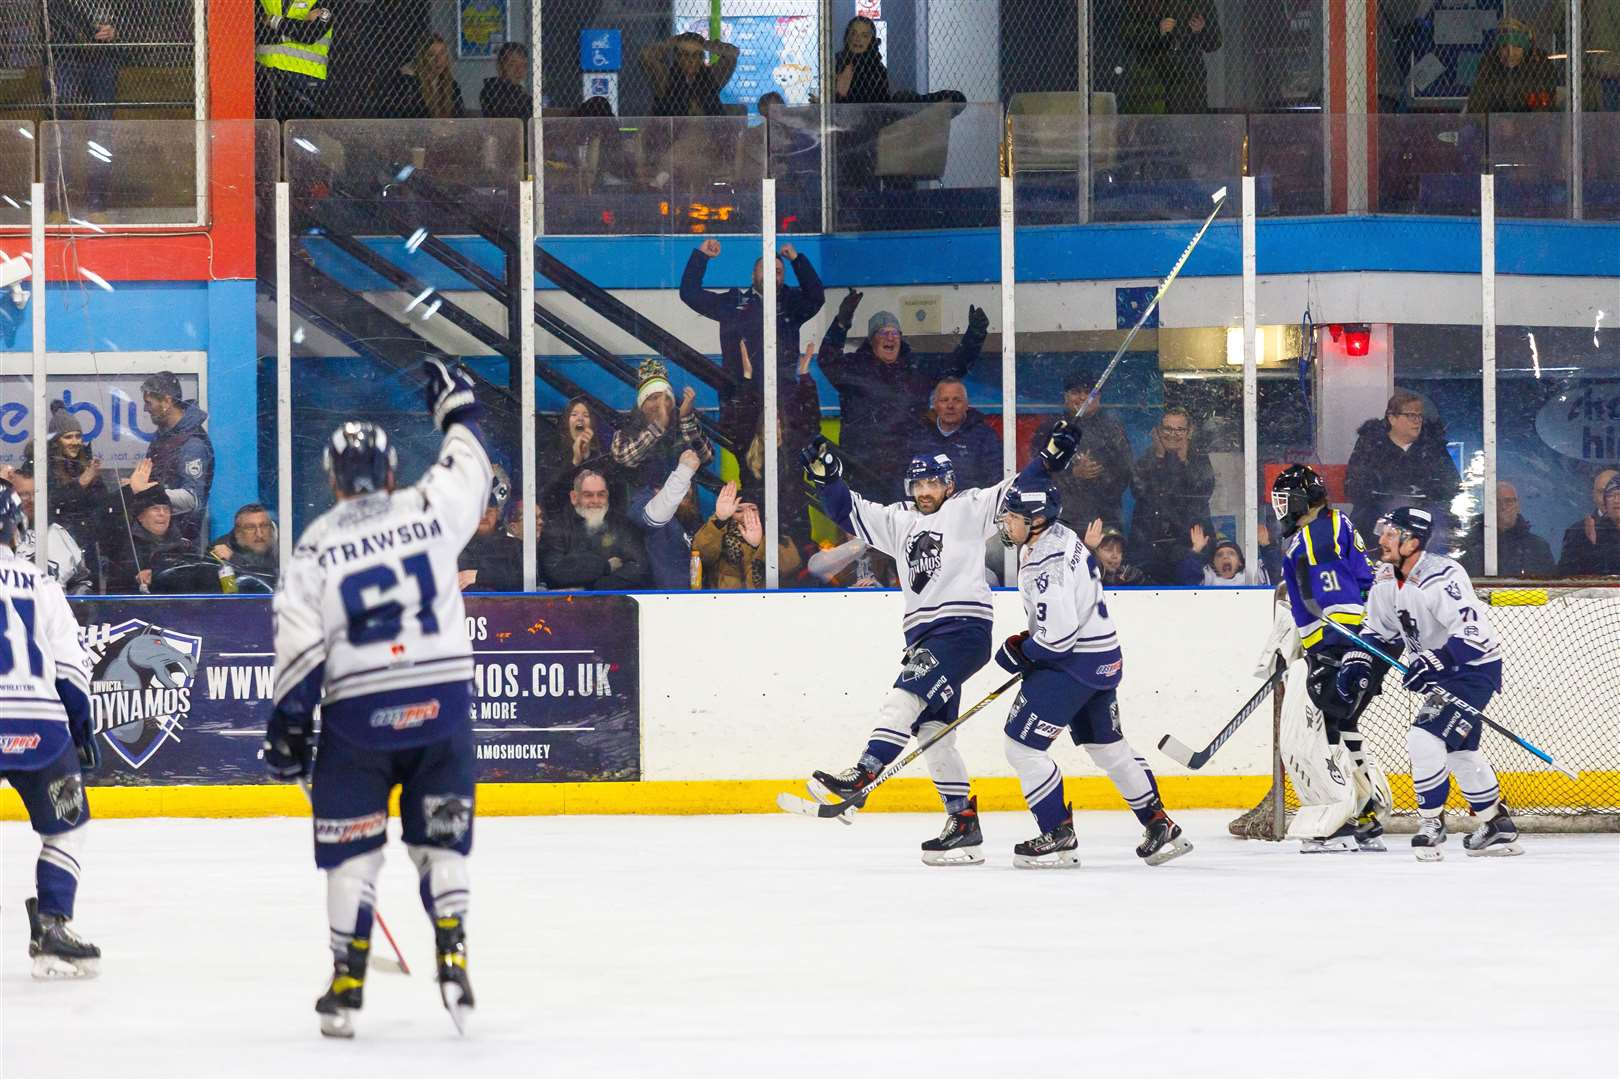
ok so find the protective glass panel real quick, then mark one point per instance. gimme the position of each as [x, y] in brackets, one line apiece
[1601, 165]
[120, 172]
[107, 60]
[17, 170]
[915, 165]
[404, 246]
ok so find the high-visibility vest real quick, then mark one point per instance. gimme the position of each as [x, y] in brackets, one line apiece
[289, 55]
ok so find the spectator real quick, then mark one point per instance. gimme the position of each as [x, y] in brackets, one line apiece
[668, 516]
[591, 547]
[1401, 459]
[741, 315]
[1590, 545]
[85, 58]
[683, 83]
[507, 93]
[1172, 485]
[851, 565]
[426, 87]
[577, 446]
[1109, 548]
[647, 448]
[81, 500]
[492, 561]
[862, 78]
[514, 529]
[882, 386]
[1170, 38]
[250, 550]
[732, 545]
[1519, 552]
[65, 559]
[959, 432]
[154, 558]
[1515, 76]
[294, 45]
[1094, 484]
[180, 456]
[1220, 565]
[797, 423]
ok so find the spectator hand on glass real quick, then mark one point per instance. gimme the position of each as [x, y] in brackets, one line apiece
[140, 477]
[1094, 534]
[1199, 538]
[725, 503]
[753, 530]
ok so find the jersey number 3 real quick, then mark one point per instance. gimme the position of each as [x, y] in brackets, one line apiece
[383, 620]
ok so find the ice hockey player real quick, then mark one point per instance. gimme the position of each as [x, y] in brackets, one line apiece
[1425, 600]
[937, 540]
[1327, 573]
[1071, 662]
[370, 627]
[46, 744]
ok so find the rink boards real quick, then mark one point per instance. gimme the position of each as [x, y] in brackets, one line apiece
[661, 703]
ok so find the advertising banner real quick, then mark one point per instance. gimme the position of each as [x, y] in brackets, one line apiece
[181, 687]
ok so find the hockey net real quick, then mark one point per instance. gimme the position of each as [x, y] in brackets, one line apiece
[1560, 691]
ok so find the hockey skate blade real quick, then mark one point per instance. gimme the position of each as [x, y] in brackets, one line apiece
[1375, 844]
[1429, 854]
[1057, 860]
[1173, 849]
[1495, 851]
[962, 856]
[49, 968]
[451, 995]
[1337, 846]
[338, 1025]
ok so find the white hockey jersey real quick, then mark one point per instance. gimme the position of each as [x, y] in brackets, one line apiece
[371, 591]
[39, 645]
[939, 556]
[64, 560]
[1434, 609]
[1069, 625]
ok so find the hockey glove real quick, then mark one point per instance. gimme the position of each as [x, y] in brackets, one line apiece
[847, 306]
[821, 461]
[1354, 678]
[84, 741]
[449, 393]
[978, 321]
[1061, 445]
[288, 754]
[1424, 671]
[1011, 654]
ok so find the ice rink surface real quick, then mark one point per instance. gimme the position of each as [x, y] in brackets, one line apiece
[779, 946]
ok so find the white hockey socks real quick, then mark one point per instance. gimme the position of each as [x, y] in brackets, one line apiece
[898, 712]
[1477, 779]
[1431, 773]
[443, 876]
[351, 895]
[1042, 782]
[1125, 769]
[946, 766]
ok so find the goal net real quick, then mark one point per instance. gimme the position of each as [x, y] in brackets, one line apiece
[1560, 691]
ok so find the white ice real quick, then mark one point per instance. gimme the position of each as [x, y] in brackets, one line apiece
[775, 945]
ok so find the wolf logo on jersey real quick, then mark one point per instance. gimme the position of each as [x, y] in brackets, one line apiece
[923, 555]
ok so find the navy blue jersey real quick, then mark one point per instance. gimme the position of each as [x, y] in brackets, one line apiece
[1326, 569]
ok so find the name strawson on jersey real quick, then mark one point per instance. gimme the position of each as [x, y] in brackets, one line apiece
[381, 541]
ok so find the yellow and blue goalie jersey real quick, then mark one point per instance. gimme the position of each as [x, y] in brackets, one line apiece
[1325, 566]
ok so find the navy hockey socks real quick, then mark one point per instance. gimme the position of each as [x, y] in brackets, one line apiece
[56, 876]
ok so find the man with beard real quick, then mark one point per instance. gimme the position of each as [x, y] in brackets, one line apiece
[592, 548]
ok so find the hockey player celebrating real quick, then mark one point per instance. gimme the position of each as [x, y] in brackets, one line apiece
[938, 543]
[370, 626]
[45, 742]
[1327, 574]
[1425, 600]
[1071, 663]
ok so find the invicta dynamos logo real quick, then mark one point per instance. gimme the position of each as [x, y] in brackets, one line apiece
[140, 685]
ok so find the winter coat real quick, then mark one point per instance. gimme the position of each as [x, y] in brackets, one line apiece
[973, 448]
[555, 478]
[502, 98]
[1382, 476]
[498, 558]
[266, 567]
[870, 83]
[1579, 558]
[1084, 501]
[730, 562]
[183, 462]
[571, 558]
[1171, 496]
[801, 421]
[1176, 59]
[165, 556]
[1530, 87]
[1519, 552]
[646, 456]
[880, 403]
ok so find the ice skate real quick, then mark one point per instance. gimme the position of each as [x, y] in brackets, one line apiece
[960, 843]
[1162, 841]
[1497, 837]
[1427, 840]
[828, 788]
[1341, 840]
[450, 942]
[1369, 830]
[346, 993]
[58, 952]
[1050, 850]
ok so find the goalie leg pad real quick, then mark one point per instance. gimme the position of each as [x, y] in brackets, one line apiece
[1431, 772]
[1323, 774]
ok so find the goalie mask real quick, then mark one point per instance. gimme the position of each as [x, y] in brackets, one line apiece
[1037, 501]
[1295, 491]
[358, 458]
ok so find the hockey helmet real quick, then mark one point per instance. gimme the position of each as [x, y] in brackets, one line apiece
[358, 458]
[13, 518]
[1037, 500]
[1296, 489]
[930, 467]
[1409, 523]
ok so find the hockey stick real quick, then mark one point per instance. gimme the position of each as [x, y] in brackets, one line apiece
[1182, 754]
[382, 962]
[795, 804]
[1452, 699]
[1164, 286]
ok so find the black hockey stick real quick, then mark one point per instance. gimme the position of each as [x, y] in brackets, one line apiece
[1182, 754]
[795, 804]
[1452, 699]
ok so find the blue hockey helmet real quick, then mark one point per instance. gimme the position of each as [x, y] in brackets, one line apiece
[358, 458]
[1409, 523]
[930, 467]
[13, 518]
[1040, 499]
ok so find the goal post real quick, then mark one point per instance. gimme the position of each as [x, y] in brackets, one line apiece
[1560, 690]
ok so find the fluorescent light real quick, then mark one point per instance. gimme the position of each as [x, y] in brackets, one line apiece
[83, 224]
[418, 298]
[1234, 346]
[97, 148]
[304, 144]
[25, 133]
[416, 240]
[1535, 355]
[432, 309]
[94, 278]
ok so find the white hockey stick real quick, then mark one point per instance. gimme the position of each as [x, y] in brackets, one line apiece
[1182, 754]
